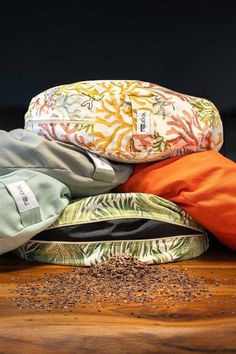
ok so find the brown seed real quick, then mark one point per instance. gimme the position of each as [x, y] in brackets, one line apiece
[120, 279]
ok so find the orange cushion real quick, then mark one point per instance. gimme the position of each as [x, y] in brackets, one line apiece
[203, 184]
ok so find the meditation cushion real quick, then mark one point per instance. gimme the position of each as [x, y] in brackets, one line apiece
[30, 202]
[126, 120]
[84, 173]
[92, 229]
[203, 184]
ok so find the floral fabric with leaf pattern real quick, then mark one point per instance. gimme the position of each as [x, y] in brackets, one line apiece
[179, 245]
[126, 120]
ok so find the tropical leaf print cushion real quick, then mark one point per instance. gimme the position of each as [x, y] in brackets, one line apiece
[126, 120]
[92, 229]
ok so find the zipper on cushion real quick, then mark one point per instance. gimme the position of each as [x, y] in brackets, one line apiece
[81, 121]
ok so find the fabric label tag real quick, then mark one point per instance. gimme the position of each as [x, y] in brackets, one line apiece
[103, 170]
[100, 162]
[144, 123]
[23, 196]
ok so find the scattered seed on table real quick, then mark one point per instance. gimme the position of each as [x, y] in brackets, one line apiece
[120, 280]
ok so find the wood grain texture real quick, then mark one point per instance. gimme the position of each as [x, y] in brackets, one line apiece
[206, 326]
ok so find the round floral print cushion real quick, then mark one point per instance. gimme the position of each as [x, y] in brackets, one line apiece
[126, 120]
[92, 229]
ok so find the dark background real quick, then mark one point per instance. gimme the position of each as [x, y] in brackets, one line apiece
[188, 46]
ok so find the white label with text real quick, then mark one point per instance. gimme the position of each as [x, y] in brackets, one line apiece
[23, 196]
[100, 162]
[144, 123]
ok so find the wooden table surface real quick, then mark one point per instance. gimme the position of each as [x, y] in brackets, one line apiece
[206, 326]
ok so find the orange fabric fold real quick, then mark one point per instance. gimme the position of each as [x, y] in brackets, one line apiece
[203, 184]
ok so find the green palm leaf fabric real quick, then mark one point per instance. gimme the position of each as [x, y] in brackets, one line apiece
[116, 206]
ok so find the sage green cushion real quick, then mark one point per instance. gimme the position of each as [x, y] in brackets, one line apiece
[85, 174]
[30, 202]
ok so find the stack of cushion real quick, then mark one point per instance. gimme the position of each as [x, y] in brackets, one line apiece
[141, 163]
